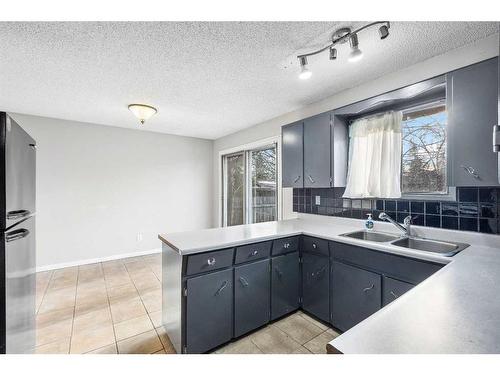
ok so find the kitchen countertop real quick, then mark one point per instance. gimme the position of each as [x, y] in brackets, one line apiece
[456, 310]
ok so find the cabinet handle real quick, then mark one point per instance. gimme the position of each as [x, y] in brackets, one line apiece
[286, 245]
[319, 272]
[393, 294]
[254, 253]
[223, 286]
[16, 235]
[471, 171]
[369, 288]
[311, 179]
[280, 274]
[243, 281]
[314, 246]
[211, 261]
[296, 180]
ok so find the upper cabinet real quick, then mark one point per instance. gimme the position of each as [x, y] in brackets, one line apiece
[472, 100]
[292, 142]
[317, 171]
[315, 152]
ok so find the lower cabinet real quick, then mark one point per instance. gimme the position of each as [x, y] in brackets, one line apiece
[251, 296]
[356, 294]
[393, 289]
[315, 285]
[285, 284]
[209, 307]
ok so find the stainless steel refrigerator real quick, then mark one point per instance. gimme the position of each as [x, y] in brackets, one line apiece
[17, 252]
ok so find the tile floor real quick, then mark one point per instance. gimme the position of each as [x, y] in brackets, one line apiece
[115, 307]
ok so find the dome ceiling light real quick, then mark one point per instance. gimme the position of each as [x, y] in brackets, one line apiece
[142, 111]
[342, 36]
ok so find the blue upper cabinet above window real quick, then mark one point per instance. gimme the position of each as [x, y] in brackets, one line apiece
[472, 94]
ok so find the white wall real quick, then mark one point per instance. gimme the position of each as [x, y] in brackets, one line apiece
[99, 186]
[470, 54]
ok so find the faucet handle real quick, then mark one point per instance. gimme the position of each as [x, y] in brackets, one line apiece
[382, 216]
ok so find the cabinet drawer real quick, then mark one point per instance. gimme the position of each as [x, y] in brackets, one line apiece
[252, 252]
[399, 267]
[285, 245]
[394, 289]
[315, 246]
[210, 261]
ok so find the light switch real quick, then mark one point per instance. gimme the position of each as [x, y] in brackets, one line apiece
[318, 200]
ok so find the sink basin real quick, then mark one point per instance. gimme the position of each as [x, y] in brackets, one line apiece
[370, 236]
[443, 248]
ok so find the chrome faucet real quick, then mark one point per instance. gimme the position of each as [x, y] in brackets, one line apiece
[405, 228]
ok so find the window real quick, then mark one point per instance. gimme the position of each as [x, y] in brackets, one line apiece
[250, 193]
[424, 150]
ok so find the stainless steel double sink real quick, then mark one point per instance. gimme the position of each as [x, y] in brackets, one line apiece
[442, 248]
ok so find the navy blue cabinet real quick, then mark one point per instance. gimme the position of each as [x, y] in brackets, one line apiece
[292, 141]
[285, 284]
[317, 170]
[209, 307]
[393, 289]
[315, 285]
[251, 296]
[356, 294]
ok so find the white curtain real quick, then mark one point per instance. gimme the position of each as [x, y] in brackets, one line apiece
[375, 157]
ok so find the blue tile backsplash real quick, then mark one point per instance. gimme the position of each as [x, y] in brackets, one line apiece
[477, 209]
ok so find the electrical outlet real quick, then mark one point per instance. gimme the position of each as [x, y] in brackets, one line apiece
[139, 237]
[318, 200]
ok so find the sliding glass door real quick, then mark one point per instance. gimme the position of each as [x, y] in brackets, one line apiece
[250, 181]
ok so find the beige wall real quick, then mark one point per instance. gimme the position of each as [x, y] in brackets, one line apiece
[98, 187]
[478, 51]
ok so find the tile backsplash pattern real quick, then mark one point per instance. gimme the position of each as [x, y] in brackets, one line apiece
[476, 209]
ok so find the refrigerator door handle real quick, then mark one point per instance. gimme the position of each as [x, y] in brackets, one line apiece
[18, 214]
[16, 235]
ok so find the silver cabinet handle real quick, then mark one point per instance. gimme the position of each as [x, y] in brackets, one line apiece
[223, 286]
[496, 138]
[369, 288]
[211, 261]
[393, 294]
[254, 253]
[16, 235]
[471, 171]
[280, 274]
[311, 179]
[314, 246]
[319, 272]
[243, 281]
[286, 245]
[18, 214]
[297, 179]
[33, 146]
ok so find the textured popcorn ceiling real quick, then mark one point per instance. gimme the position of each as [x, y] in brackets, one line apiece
[207, 79]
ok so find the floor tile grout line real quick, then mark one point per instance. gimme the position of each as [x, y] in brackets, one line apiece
[74, 312]
[44, 291]
[109, 306]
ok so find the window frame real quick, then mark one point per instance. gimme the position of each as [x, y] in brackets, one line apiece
[450, 194]
[245, 149]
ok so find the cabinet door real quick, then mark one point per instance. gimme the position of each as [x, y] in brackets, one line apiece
[356, 294]
[209, 307]
[472, 106]
[285, 271]
[251, 296]
[292, 138]
[317, 151]
[315, 285]
[394, 289]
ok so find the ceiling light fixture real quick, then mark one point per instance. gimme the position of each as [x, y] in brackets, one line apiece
[342, 36]
[304, 72]
[142, 111]
[356, 53]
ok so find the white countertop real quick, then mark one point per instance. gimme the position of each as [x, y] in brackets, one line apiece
[456, 310]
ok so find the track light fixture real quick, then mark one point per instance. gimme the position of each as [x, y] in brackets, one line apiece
[304, 72]
[342, 36]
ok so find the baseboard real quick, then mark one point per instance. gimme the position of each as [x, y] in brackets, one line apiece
[96, 260]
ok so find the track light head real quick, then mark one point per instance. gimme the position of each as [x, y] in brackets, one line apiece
[333, 53]
[383, 31]
[304, 72]
[356, 53]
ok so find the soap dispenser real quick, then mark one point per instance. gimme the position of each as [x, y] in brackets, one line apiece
[369, 222]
